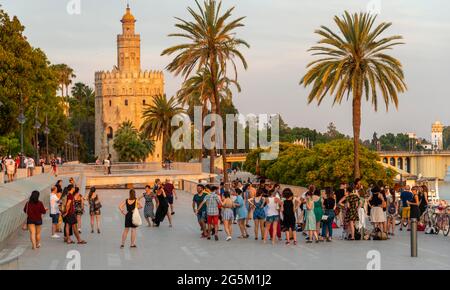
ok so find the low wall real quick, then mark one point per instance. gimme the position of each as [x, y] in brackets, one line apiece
[13, 197]
[191, 187]
[22, 173]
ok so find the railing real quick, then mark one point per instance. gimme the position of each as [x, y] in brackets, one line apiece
[395, 153]
[117, 167]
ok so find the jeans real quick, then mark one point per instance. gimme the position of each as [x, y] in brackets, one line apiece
[328, 224]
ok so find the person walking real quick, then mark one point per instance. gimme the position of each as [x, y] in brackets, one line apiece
[212, 202]
[127, 207]
[149, 207]
[169, 189]
[242, 213]
[30, 164]
[162, 209]
[288, 210]
[227, 214]
[34, 209]
[423, 199]
[54, 211]
[94, 209]
[329, 204]
[200, 212]
[259, 215]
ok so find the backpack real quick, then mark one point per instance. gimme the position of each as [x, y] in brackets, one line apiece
[391, 208]
[62, 204]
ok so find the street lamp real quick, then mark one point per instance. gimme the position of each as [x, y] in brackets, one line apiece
[65, 150]
[46, 132]
[21, 119]
[37, 126]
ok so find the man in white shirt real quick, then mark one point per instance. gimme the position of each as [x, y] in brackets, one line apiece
[10, 168]
[54, 211]
[30, 166]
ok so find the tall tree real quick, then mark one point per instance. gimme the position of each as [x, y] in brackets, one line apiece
[157, 119]
[211, 44]
[354, 63]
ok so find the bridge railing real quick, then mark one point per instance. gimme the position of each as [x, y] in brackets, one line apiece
[395, 153]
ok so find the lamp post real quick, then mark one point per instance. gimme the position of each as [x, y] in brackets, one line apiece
[46, 132]
[65, 151]
[37, 126]
[21, 119]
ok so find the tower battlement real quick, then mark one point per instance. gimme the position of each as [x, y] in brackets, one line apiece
[117, 75]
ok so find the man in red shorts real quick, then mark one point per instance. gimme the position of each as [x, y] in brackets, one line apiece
[212, 202]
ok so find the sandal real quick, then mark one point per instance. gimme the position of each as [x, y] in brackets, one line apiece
[288, 243]
[134, 246]
[295, 243]
[121, 246]
[82, 243]
[70, 242]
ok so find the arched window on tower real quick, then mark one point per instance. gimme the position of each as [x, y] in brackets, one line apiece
[126, 102]
[109, 133]
[143, 102]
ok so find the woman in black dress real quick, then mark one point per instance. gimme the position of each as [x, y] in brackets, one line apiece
[423, 199]
[162, 207]
[289, 216]
[414, 204]
[130, 204]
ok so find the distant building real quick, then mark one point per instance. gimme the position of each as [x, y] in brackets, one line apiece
[437, 139]
[122, 94]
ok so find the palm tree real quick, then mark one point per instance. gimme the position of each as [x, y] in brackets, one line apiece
[211, 44]
[157, 119]
[354, 61]
[130, 145]
[64, 74]
[197, 91]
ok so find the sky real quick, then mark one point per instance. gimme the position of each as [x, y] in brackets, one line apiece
[280, 33]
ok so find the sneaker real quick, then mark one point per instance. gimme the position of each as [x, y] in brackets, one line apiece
[55, 236]
[216, 238]
[228, 238]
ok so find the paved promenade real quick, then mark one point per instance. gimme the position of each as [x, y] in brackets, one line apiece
[181, 248]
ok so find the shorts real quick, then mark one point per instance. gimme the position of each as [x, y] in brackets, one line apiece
[406, 211]
[71, 219]
[201, 216]
[272, 218]
[55, 218]
[36, 223]
[169, 199]
[213, 220]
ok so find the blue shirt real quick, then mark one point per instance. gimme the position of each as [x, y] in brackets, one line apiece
[241, 210]
[406, 196]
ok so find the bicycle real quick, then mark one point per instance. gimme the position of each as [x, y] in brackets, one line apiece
[442, 221]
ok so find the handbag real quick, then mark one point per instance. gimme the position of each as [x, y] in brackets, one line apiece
[25, 224]
[97, 204]
[136, 218]
[324, 217]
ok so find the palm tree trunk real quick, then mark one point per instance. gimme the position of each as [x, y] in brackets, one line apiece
[356, 132]
[212, 152]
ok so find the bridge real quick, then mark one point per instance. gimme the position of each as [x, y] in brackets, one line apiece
[429, 164]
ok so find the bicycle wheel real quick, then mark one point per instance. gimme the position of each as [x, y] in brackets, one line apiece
[445, 225]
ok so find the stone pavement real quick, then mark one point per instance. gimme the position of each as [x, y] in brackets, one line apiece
[181, 248]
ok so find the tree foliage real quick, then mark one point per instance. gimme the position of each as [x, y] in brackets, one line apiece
[130, 145]
[323, 165]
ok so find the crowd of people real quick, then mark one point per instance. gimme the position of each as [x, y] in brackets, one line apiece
[361, 213]
[67, 206]
[9, 166]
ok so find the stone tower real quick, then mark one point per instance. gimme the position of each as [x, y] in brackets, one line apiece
[122, 93]
[437, 136]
